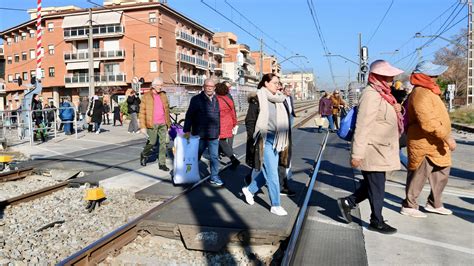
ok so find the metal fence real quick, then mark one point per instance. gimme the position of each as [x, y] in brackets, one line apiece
[17, 125]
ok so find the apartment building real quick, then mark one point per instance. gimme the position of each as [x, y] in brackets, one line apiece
[302, 83]
[130, 39]
[238, 65]
[270, 63]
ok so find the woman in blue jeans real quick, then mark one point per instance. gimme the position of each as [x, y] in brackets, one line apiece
[267, 135]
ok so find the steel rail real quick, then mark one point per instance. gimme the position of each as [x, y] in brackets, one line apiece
[15, 174]
[290, 250]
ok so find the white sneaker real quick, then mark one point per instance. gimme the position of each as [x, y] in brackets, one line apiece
[248, 195]
[97, 132]
[278, 210]
[412, 212]
[441, 210]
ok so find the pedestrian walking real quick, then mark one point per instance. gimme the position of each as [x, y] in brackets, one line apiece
[133, 103]
[117, 116]
[429, 141]
[38, 118]
[83, 107]
[96, 111]
[337, 104]
[267, 126]
[106, 113]
[228, 120]
[284, 162]
[66, 114]
[154, 122]
[203, 119]
[49, 115]
[325, 110]
[375, 144]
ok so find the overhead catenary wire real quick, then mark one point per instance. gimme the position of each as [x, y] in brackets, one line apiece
[312, 11]
[247, 31]
[380, 23]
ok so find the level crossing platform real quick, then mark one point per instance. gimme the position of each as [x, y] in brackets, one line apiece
[207, 218]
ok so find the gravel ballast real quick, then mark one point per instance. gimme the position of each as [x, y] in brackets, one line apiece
[24, 238]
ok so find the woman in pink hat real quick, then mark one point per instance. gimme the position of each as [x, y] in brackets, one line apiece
[375, 144]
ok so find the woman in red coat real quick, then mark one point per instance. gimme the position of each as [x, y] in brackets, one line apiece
[228, 121]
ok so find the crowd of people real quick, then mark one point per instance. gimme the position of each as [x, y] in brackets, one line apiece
[386, 115]
[389, 117]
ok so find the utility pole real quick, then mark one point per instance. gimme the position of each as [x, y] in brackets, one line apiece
[419, 55]
[261, 59]
[470, 60]
[91, 57]
[360, 78]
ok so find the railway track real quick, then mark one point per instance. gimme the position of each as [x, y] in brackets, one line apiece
[15, 174]
[111, 243]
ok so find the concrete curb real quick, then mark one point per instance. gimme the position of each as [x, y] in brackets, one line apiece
[463, 127]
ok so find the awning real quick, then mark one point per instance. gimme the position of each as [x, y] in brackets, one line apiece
[80, 65]
[98, 18]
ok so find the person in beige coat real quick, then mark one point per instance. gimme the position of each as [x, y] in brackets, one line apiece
[429, 141]
[375, 144]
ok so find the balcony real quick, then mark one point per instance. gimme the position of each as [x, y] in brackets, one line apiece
[249, 60]
[183, 36]
[187, 58]
[103, 79]
[212, 66]
[191, 80]
[98, 55]
[250, 75]
[219, 51]
[201, 63]
[244, 47]
[114, 30]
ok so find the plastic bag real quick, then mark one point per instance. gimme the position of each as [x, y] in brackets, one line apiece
[186, 164]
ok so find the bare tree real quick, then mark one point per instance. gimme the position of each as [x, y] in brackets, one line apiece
[455, 56]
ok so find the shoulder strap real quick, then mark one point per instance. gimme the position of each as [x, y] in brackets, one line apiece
[223, 98]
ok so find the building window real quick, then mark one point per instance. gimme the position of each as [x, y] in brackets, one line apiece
[17, 75]
[161, 66]
[51, 27]
[23, 36]
[9, 60]
[42, 73]
[51, 71]
[25, 76]
[23, 56]
[160, 42]
[152, 41]
[32, 73]
[32, 33]
[17, 38]
[51, 49]
[152, 17]
[32, 54]
[95, 45]
[9, 41]
[10, 78]
[153, 66]
[17, 58]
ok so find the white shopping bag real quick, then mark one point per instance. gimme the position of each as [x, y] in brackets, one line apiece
[186, 165]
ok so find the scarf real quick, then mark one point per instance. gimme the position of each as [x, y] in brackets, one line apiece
[384, 90]
[422, 80]
[282, 126]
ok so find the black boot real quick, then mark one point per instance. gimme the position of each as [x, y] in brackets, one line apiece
[143, 160]
[163, 167]
[234, 162]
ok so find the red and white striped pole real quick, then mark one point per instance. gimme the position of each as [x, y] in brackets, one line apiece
[39, 33]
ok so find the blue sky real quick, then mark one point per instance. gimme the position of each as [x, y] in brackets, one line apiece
[287, 28]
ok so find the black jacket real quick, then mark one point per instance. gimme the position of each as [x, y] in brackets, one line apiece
[203, 117]
[97, 111]
[37, 115]
[133, 104]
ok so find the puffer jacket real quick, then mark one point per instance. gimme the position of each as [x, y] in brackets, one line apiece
[376, 134]
[228, 118]
[254, 148]
[428, 126]
[147, 107]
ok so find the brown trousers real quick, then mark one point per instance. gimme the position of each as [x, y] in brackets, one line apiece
[438, 178]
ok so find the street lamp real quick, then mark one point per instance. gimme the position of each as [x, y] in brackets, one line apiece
[418, 35]
[345, 58]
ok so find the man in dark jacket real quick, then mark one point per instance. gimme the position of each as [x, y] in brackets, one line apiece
[66, 114]
[282, 170]
[203, 119]
[133, 103]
